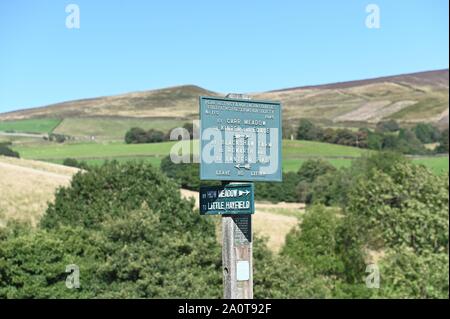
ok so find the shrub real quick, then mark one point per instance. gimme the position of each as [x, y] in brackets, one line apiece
[427, 133]
[72, 162]
[443, 143]
[314, 246]
[308, 131]
[278, 192]
[308, 173]
[6, 151]
[138, 135]
[405, 273]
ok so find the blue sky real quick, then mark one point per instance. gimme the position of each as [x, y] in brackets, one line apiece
[226, 46]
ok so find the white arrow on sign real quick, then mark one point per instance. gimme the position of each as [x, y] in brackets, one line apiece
[239, 166]
[245, 193]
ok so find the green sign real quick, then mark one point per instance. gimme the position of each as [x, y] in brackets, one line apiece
[240, 140]
[228, 199]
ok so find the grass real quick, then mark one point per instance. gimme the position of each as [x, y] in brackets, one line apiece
[438, 165]
[422, 109]
[291, 150]
[26, 188]
[30, 126]
[295, 153]
[112, 128]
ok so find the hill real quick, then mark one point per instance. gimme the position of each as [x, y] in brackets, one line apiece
[408, 98]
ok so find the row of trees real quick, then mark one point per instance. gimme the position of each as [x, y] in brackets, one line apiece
[137, 135]
[387, 136]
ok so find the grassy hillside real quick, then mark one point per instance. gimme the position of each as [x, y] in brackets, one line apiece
[407, 98]
[175, 102]
[46, 125]
[112, 128]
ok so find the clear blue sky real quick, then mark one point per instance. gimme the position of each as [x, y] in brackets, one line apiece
[231, 46]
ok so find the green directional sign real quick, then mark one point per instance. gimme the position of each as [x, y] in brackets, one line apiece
[240, 140]
[228, 199]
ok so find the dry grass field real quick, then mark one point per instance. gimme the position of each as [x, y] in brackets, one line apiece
[27, 186]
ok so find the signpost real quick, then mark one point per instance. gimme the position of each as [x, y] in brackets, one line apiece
[240, 140]
[229, 199]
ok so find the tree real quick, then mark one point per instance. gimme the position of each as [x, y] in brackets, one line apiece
[443, 143]
[427, 133]
[137, 135]
[307, 131]
[309, 172]
[311, 169]
[314, 246]
[154, 136]
[72, 162]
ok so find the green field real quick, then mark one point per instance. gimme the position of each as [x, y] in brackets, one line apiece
[30, 125]
[291, 150]
[112, 128]
[438, 165]
[295, 153]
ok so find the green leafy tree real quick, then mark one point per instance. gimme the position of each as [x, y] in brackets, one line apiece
[315, 244]
[427, 133]
[443, 143]
[308, 131]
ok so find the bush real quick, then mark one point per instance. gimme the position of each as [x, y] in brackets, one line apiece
[129, 231]
[308, 173]
[314, 246]
[406, 206]
[58, 138]
[6, 151]
[72, 162]
[113, 189]
[404, 273]
[443, 142]
[427, 133]
[278, 192]
[138, 135]
[308, 131]
[278, 276]
[311, 169]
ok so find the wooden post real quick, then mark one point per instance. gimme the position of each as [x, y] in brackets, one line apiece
[237, 256]
[237, 251]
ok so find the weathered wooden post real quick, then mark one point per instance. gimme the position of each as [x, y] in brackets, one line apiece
[237, 256]
[231, 152]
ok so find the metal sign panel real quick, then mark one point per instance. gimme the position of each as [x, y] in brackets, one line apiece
[227, 199]
[240, 140]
